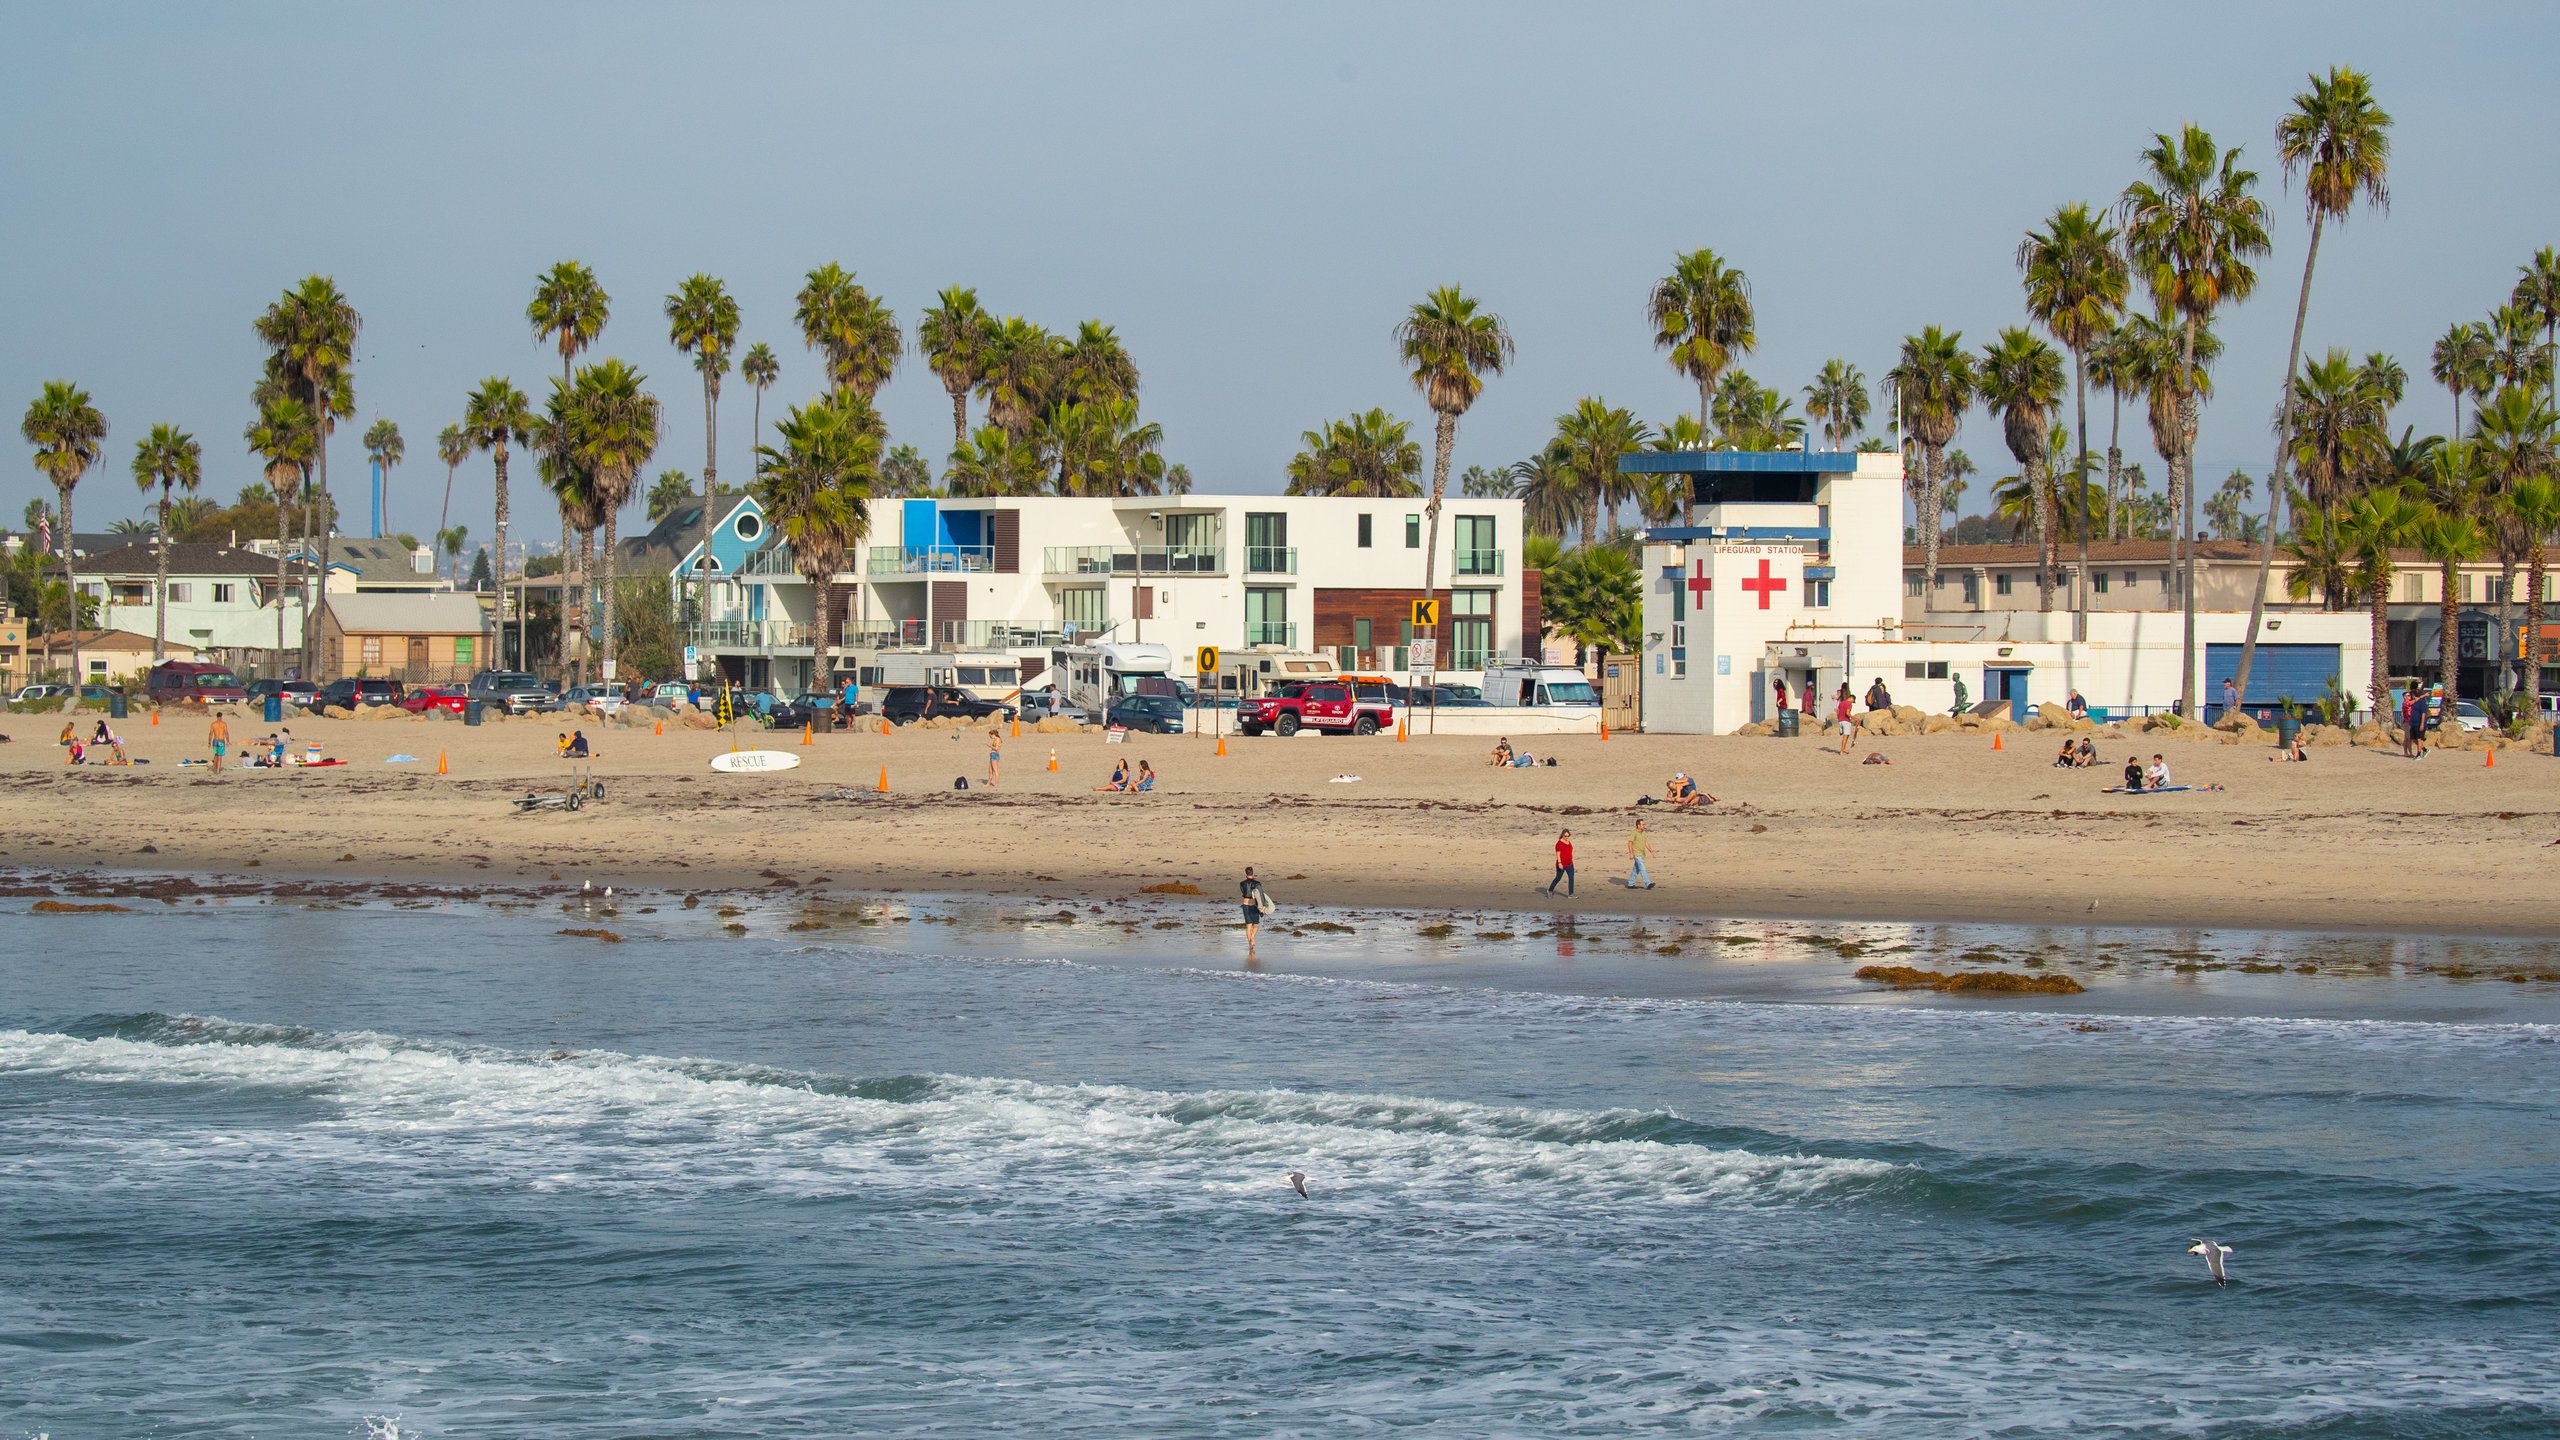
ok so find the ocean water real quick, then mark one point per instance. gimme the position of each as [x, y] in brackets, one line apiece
[284, 1169]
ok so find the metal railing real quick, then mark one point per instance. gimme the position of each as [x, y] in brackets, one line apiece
[929, 559]
[1283, 633]
[756, 634]
[776, 560]
[1479, 562]
[1271, 559]
[1113, 560]
[1076, 560]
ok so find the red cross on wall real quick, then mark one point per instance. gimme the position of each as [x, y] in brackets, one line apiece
[1699, 585]
[1764, 584]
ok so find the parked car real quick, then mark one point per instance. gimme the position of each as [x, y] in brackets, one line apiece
[351, 692]
[519, 692]
[193, 680]
[603, 699]
[905, 703]
[1318, 705]
[435, 697]
[2469, 715]
[295, 692]
[1153, 714]
[38, 694]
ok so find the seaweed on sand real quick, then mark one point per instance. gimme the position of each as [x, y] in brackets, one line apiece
[1904, 977]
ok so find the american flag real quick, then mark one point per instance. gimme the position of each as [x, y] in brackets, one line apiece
[44, 534]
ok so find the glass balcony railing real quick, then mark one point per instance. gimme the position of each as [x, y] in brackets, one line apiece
[1479, 562]
[928, 559]
[755, 634]
[774, 560]
[1113, 560]
[1077, 560]
[1271, 559]
[1283, 633]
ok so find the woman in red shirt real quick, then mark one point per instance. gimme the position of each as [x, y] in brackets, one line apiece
[1564, 863]
[1841, 712]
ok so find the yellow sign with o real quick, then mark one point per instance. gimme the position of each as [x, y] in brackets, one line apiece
[1208, 660]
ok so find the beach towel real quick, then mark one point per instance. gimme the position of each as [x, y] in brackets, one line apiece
[2152, 790]
[399, 759]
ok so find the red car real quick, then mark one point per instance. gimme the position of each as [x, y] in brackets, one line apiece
[439, 697]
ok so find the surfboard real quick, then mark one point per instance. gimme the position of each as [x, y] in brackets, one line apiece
[740, 761]
[2146, 790]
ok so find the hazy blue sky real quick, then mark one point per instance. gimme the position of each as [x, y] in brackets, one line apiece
[1250, 194]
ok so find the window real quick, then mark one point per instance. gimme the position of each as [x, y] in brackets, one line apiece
[1679, 649]
[1470, 628]
[747, 526]
[1364, 532]
[2414, 586]
[1817, 594]
[1476, 554]
[179, 591]
[2000, 585]
[1911, 586]
[1363, 630]
[462, 649]
[1266, 618]
[1914, 670]
[2466, 587]
[1266, 544]
[225, 594]
[2098, 581]
[2168, 579]
[1083, 607]
[1413, 532]
[1972, 590]
[372, 649]
[2131, 579]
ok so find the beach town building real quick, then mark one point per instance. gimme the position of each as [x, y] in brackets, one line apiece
[424, 638]
[221, 600]
[110, 657]
[1020, 575]
[14, 667]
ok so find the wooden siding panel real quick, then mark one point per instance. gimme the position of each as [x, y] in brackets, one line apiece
[1007, 539]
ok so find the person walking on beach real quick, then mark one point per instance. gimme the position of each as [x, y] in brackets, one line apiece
[995, 755]
[1257, 903]
[220, 736]
[1564, 864]
[1842, 711]
[2409, 724]
[1639, 850]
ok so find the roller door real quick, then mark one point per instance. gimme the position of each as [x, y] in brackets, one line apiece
[2301, 671]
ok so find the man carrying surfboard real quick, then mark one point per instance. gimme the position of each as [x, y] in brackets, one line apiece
[1257, 903]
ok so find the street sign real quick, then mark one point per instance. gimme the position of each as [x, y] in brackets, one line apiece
[691, 655]
[1421, 652]
[1208, 660]
[689, 675]
[1426, 613]
[608, 671]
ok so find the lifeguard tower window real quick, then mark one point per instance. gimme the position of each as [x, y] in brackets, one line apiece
[1726, 487]
[1924, 669]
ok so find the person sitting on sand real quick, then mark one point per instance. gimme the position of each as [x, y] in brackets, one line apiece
[1684, 791]
[1876, 757]
[70, 733]
[1146, 778]
[2087, 755]
[2292, 751]
[2068, 757]
[1119, 778]
[2157, 777]
[576, 749]
[2133, 773]
[562, 744]
[1502, 752]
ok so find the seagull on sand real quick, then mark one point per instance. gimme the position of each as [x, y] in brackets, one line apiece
[2212, 1254]
[1298, 1182]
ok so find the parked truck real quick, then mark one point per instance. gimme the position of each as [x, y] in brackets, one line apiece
[1330, 707]
[1530, 686]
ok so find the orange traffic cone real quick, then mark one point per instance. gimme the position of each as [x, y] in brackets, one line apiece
[806, 737]
[1604, 727]
[1222, 744]
[440, 769]
[1017, 725]
[661, 730]
[1995, 740]
[884, 779]
[1399, 729]
[2492, 761]
[155, 717]
[1053, 759]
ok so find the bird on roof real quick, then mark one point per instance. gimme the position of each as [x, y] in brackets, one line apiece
[2212, 1254]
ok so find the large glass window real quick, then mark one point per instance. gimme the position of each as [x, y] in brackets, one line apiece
[1266, 618]
[1470, 628]
[1086, 607]
[1266, 544]
[1476, 554]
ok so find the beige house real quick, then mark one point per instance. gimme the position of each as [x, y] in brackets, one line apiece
[428, 638]
[108, 656]
[2138, 575]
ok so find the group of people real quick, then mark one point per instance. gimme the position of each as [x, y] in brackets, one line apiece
[1122, 781]
[1639, 851]
[2422, 712]
[102, 739]
[2138, 776]
[1505, 758]
[2078, 754]
[573, 745]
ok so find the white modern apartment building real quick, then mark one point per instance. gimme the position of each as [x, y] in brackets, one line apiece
[1020, 574]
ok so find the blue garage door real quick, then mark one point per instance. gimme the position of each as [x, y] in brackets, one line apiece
[2301, 671]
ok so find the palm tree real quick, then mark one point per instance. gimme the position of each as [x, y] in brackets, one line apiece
[2532, 508]
[311, 336]
[669, 492]
[1701, 313]
[1020, 375]
[2022, 384]
[1837, 400]
[1932, 386]
[2537, 293]
[1452, 346]
[2339, 141]
[955, 336]
[2451, 536]
[1751, 416]
[758, 368]
[2377, 523]
[285, 438]
[1549, 502]
[1177, 479]
[382, 441]
[616, 426]
[1593, 437]
[495, 416]
[1095, 366]
[815, 488]
[2076, 282]
[702, 321]
[453, 446]
[1479, 483]
[2461, 364]
[2320, 561]
[167, 457]
[856, 333]
[2231, 521]
[68, 433]
[2513, 445]
[2337, 421]
[2191, 228]
[2110, 365]
[569, 309]
[1595, 595]
[1103, 449]
[992, 462]
[2518, 355]
[1367, 454]
[451, 541]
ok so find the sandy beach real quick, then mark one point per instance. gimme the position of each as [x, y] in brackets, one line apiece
[1952, 830]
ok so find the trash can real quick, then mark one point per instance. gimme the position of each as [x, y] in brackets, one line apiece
[471, 712]
[275, 709]
[115, 705]
[1787, 720]
[2286, 728]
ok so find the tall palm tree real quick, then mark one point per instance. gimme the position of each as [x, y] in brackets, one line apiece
[495, 416]
[2513, 444]
[569, 309]
[311, 336]
[1549, 501]
[993, 462]
[2532, 507]
[1837, 401]
[2022, 384]
[2377, 523]
[2076, 282]
[1593, 437]
[702, 321]
[2537, 293]
[615, 431]
[2518, 355]
[815, 488]
[169, 458]
[856, 333]
[1366, 454]
[2320, 561]
[2337, 422]
[286, 439]
[68, 434]
[1020, 375]
[453, 446]
[382, 442]
[1452, 345]
[759, 369]
[1932, 385]
[2451, 536]
[2461, 364]
[1096, 366]
[1701, 313]
[1104, 449]
[2110, 367]
[2191, 228]
[955, 336]
[451, 541]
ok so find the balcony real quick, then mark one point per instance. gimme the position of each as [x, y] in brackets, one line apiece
[1114, 560]
[1283, 633]
[929, 559]
[1271, 559]
[756, 635]
[1478, 562]
[773, 560]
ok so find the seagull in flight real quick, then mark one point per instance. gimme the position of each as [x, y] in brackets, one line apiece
[1298, 1182]
[2212, 1254]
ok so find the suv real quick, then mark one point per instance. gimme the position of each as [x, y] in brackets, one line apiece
[1156, 714]
[175, 680]
[1326, 706]
[904, 703]
[351, 692]
[520, 693]
[294, 692]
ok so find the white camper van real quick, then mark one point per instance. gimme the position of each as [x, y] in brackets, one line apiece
[986, 674]
[1528, 686]
[1090, 677]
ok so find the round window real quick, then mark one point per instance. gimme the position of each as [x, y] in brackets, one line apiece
[748, 527]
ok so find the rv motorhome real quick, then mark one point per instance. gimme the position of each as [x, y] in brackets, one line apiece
[1090, 678]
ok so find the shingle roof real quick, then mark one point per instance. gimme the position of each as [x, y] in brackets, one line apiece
[185, 558]
[431, 613]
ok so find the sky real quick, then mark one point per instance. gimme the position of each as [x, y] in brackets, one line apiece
[1252, 195]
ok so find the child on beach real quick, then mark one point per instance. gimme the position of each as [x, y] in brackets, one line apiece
[995, 755]
[1146, 778]
[1564, 864]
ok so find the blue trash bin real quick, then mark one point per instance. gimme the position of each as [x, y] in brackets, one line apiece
[275, 709]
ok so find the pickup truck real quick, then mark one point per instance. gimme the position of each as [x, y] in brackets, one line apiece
[1329, 708]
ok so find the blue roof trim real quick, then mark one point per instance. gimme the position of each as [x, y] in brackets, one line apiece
[1821, 572]
[1678, 534]
[1703, 462]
